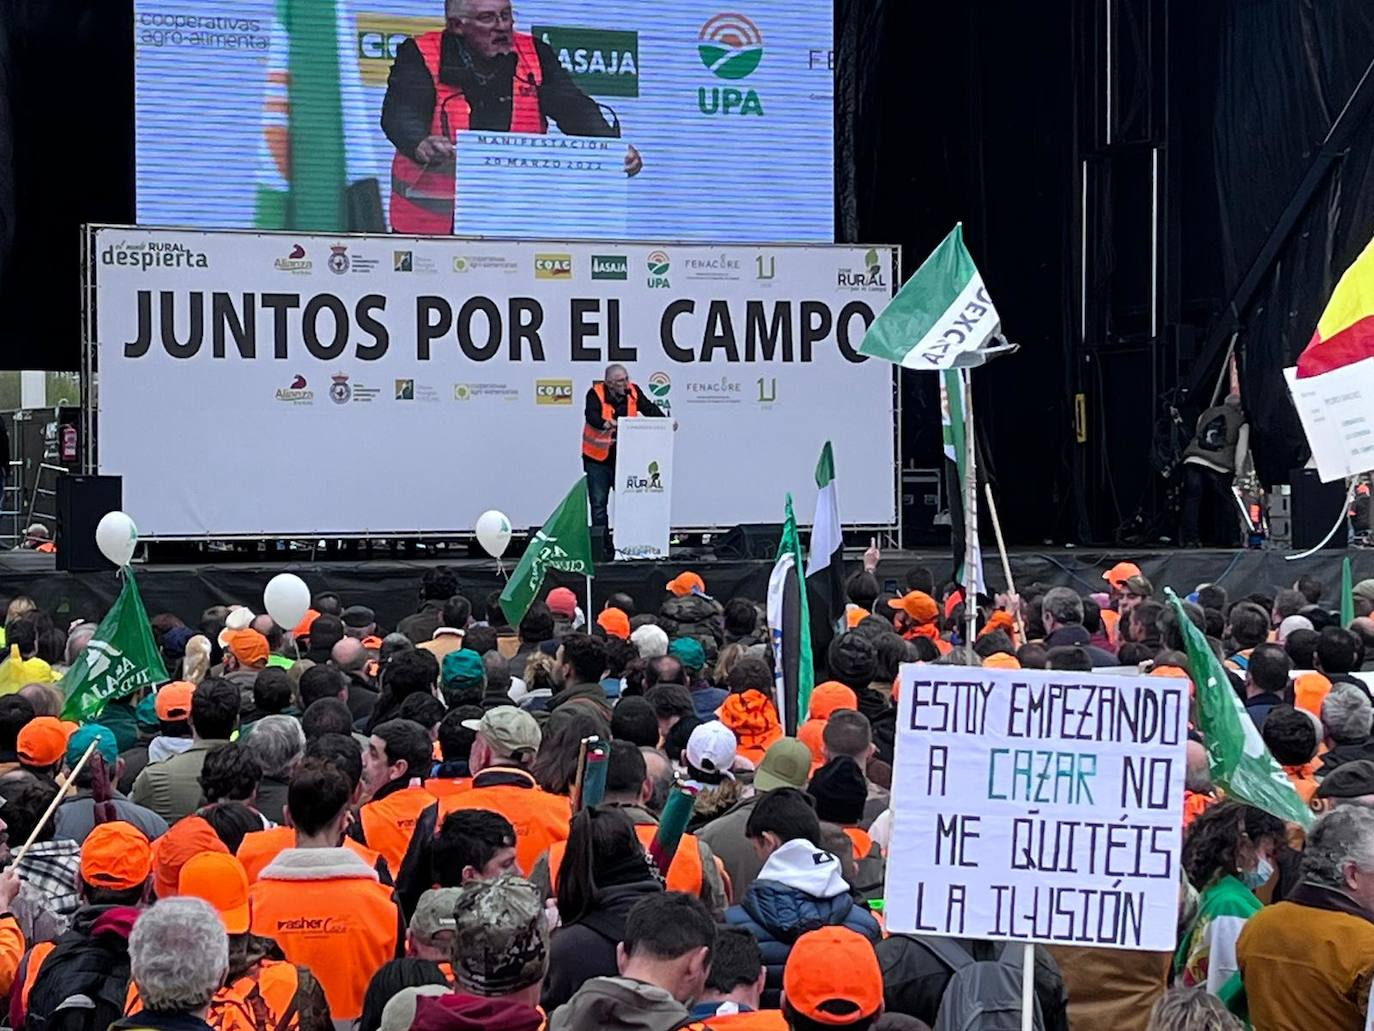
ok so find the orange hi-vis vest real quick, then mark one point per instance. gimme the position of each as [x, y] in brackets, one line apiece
[539, 818]
[389, 822]
[342, 928]
[259, 848]
[596, 444]
[684, 874]
[442, 787]
[421, 195]
[263, 999]
[37, 955]
[755, 1020]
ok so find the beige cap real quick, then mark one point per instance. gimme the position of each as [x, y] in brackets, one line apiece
[507, 729]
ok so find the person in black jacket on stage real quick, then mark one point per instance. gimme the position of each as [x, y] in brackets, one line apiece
[609, 401]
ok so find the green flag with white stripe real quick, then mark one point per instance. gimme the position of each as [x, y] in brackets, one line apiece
[940, 313]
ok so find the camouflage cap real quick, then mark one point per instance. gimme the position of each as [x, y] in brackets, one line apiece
[502, 939]
[434, 915]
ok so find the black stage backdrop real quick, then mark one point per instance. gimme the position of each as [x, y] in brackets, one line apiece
[980, 112]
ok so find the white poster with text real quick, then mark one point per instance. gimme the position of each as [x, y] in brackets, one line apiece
[643, 487]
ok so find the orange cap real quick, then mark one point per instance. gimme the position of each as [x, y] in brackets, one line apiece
[1120, 573]
[248, 646]
[854, 615]
[115, 855]
[302, 629]
[828, 697]
[1001, 660]
[221, 881]
[810, 984]
[615, 623]
[188, 838]
[918, 605]
[174, 700]
[685, 583]
[42, 742]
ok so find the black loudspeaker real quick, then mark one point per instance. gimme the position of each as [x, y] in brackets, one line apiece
[1315, 508]
[750, 540]
[81, 502]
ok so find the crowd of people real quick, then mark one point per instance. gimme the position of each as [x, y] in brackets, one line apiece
[338, 825]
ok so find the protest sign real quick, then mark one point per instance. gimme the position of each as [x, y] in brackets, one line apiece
[1037, 806]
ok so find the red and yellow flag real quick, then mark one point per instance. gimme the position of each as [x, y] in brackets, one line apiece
[1345, 332]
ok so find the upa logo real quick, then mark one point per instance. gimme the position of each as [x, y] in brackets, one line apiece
[553, 266]
[731, 47]
[658, 264]
[660, 386]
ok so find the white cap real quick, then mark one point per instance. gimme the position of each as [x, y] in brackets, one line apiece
[711, 748]
[650, 641]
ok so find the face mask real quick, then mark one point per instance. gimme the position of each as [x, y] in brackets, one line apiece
[1259, 875]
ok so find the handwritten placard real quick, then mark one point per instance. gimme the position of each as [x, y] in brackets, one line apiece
[1035, 805]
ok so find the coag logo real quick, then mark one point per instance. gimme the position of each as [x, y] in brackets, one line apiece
[553, 266]
[553, 392]
[730, 46]
[603, 62]
[658, 265]
[610, 266]
[378, 38]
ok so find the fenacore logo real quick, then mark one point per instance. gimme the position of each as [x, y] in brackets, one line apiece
[380, 36]
[713, 266]
[145, 256]
[731, 47]
[610, 266]
[603, 62]
[296, 261]
[870, 277]
[658, 265]
[651, 483]
[553, 266]
[553, 392]
[338, 258]
[298, 393]
[339, 391]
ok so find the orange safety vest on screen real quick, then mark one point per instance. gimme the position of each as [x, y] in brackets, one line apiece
[684, 873]
[389, 822]
[421, 196]
[342, 929]
[596, 444]
[539, 818]
[259, 848]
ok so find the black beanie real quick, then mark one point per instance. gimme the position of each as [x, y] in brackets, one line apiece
[853, 660]
[840, 791]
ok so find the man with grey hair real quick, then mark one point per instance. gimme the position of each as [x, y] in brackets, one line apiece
[608, 400]
[277, 743]
[1308, 961]
[77, 638]
[178, 956]
[650, 640]
[1061, 610]
[1346, 719]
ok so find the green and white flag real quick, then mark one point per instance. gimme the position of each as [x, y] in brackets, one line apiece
[825, 563]
[121, 658]
[953, 398]
[940, 313]
[789, 628]
[564, 543]
[1240, 761]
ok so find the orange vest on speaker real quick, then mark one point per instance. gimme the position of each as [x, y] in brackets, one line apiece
[422, 196]
[596, 444]
[389, 822]
[684, 873]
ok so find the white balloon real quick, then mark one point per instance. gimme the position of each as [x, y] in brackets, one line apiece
[286, 599]
[493, 532]
[116, 536]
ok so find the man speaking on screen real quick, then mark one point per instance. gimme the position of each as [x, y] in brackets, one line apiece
[609, 401]
[477, 73]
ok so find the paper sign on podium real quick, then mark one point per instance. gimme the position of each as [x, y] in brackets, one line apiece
[526, 184]
[643, 487]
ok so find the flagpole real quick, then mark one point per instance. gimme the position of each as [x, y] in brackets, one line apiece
[591, 617]
[970, 517]
[1006, 564]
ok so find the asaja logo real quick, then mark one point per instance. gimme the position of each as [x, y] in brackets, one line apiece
[553, 266]
[658, 265]
[610, 266]
[870, 277]
[553, 392]
[405, 390]
[604, 63]
[403, 261]
[731, 47]
[379, 36]
[298, 393]
[651, 483]
[295, 262]
[338, 258]
[339, 391]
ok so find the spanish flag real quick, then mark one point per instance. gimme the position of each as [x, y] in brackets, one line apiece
[1345, 332]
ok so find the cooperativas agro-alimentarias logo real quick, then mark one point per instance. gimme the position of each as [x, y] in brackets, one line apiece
[730, 46]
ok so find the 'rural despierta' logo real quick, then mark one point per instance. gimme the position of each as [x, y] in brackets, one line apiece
[730, 46]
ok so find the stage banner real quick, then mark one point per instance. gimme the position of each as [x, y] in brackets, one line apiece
[643, 487]
[311, 385]
[1038, 806]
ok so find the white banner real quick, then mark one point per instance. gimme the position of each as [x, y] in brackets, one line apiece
[1040, 806]
[1335, 412]
[643, 487]
[274, 384]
